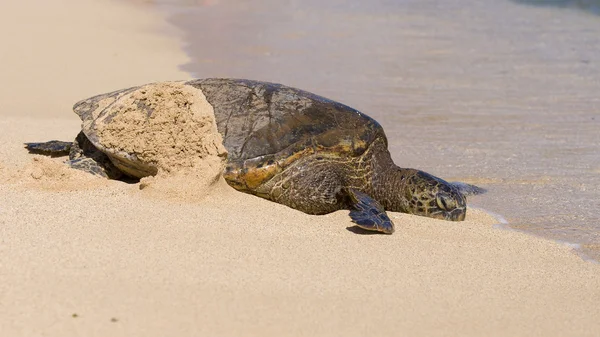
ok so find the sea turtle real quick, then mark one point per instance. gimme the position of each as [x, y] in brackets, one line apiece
[289, 146]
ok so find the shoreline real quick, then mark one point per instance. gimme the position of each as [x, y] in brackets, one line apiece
[489, 94]
[504, 225]
[87, 256]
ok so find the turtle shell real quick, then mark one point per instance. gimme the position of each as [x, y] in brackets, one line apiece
[253, 118]
[260, 118]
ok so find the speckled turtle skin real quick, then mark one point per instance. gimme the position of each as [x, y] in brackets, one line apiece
[298, 149]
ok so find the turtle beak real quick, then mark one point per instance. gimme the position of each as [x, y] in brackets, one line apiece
[458, 214]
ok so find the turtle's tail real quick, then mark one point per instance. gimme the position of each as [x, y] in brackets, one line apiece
[53, 148]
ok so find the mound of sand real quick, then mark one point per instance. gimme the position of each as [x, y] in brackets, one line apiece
[52, 175]
[169, 127]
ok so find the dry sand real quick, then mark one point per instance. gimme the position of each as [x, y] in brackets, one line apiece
[83, 256]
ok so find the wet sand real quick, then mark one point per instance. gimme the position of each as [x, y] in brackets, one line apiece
[496, 93]
[86, 256]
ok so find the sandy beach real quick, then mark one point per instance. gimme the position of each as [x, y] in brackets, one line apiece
[84, 256]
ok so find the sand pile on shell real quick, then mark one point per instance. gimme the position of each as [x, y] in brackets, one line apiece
[169, 127]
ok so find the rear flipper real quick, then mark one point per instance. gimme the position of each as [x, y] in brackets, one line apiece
[53, 148]
[88, 165]
[369, 214]
[83, 155]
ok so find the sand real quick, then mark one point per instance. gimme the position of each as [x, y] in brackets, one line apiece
[166, 125]
[80, 255]
[164, 133]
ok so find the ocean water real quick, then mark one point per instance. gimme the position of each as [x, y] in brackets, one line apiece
[592, 6]
[503, 94]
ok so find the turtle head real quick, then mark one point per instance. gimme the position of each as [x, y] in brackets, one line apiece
[434, 197]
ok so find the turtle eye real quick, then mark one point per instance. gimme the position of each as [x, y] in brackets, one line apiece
[445, 202]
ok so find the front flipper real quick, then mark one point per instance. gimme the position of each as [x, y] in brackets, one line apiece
[467, 189]
[369, 214]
